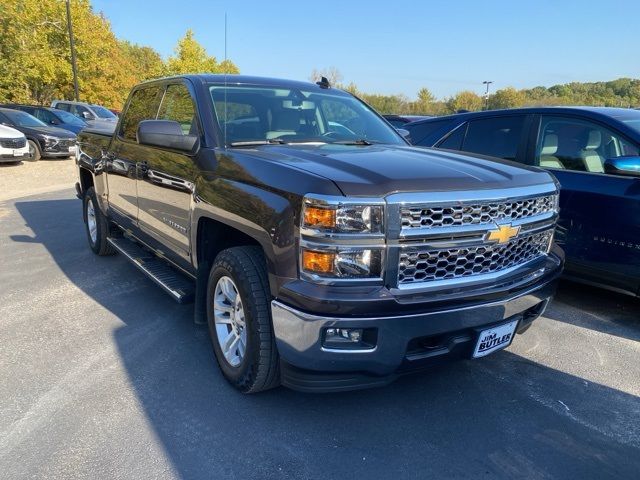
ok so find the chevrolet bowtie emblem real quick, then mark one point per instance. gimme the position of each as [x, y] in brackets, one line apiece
[503, 234]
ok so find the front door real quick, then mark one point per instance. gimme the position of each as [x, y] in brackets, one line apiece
[599, 228]
[166, 178]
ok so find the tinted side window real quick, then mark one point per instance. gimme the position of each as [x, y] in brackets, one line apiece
[143, 106]
[428, 133]
[78, 110]
[496, 137]
[63, 106]
[177, 105]
[580, 145]
[46, 116]
[454, 140]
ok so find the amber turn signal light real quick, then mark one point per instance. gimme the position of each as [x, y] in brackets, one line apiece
[318, 262]
[319, 217]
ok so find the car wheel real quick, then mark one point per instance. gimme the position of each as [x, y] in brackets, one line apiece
[96, 224]
[239, 319]
[34, 151]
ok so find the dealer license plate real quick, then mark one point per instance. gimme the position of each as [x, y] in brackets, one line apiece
[495, 338]
[18, 153]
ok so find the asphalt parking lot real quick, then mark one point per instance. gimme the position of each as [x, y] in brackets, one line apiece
[104, 376]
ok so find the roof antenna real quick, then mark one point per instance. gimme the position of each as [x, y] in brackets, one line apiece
[323, 83]
[225, 79]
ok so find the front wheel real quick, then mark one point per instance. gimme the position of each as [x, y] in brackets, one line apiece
[34, 151]
[96, 224]
[239, 320]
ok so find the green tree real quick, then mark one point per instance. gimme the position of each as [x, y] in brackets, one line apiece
[146, 63]
[424, 104]
[191, 57]
[465, 100]
[507, 98]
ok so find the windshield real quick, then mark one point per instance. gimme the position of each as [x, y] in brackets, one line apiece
[69, 118]
[23, 119]
[254, 114]
[102, 112]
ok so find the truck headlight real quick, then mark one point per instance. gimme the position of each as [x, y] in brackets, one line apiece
[342, 217]
[342, 262]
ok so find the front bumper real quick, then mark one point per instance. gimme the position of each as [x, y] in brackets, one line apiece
[404, 343]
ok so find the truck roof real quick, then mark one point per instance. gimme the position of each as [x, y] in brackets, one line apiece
[235, 79]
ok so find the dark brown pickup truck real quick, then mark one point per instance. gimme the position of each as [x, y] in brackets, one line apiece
[323, 251]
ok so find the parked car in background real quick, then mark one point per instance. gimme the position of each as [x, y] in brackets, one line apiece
[324, 251]
[95, 115]
[13, 145]
[399, 121]
[43, 140]
[52, 116]
[595, 154]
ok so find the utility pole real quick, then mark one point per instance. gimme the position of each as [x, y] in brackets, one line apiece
[486, 93]
[73, 53]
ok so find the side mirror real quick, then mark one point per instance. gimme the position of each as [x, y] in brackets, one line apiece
[88, 116]
[628, 166]
[406, 134]
[165, 134]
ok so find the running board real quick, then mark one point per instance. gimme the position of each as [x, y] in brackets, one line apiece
[179, 286]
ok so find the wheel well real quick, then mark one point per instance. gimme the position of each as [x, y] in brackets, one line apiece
[86, 179]
[214, 236]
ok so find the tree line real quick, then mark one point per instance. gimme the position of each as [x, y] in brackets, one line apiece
[35, 67]
[623, 92]
[35, 58]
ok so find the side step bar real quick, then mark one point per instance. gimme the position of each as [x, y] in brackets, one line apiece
[176, 284]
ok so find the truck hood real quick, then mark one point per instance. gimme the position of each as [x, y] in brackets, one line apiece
[379, 170]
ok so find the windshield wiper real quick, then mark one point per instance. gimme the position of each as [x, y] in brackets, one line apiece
[251, 143]
[359, 141]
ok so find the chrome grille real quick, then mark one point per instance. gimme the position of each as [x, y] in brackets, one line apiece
[13, 142]
[425, 216]
[421, 265]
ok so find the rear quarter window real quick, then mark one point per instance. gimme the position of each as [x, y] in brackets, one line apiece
[496, 136]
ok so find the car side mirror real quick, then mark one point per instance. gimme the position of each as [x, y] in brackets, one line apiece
[165, 134]
[87, 116]
[406, 134]
[628, 166]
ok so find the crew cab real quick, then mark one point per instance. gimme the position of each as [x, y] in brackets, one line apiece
[323, 251]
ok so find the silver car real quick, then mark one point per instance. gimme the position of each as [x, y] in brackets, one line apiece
[95, 115]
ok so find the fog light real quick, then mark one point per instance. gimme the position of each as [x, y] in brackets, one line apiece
[350, 338]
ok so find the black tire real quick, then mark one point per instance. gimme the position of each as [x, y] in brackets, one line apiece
[259, 368]
[99, 245]
[34, 150]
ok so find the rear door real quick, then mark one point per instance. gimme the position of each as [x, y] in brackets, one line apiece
[502, 136]
[121, 161]
[600, 213]
[166, 177]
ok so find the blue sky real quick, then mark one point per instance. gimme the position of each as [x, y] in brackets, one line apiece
[399, 47]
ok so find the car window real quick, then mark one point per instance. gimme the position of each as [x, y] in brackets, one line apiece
[67, 117]
[78, 110]
[102, 112]
[580, 145]
[46, 116]
[396, 123]
[63, 106]
[455, 138]
[23, 119]
[142, 106]
[427, 134]
[177, 105]
[496, 136]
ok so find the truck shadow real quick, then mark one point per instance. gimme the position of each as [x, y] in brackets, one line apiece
[504, 416]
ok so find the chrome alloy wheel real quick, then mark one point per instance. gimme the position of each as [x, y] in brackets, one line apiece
[92, 225]
[229, 319]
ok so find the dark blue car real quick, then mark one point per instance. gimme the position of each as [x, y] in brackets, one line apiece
[595, 155]
[52, 117]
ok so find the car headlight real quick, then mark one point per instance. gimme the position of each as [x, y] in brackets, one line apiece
[341, 262]
[342, 238]
[322, 216]
[49, 141]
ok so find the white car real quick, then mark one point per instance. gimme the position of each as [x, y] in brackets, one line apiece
[13, 145]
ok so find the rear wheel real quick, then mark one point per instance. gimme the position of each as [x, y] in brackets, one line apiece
[96, 224]
[239, 320]
[34, 151]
